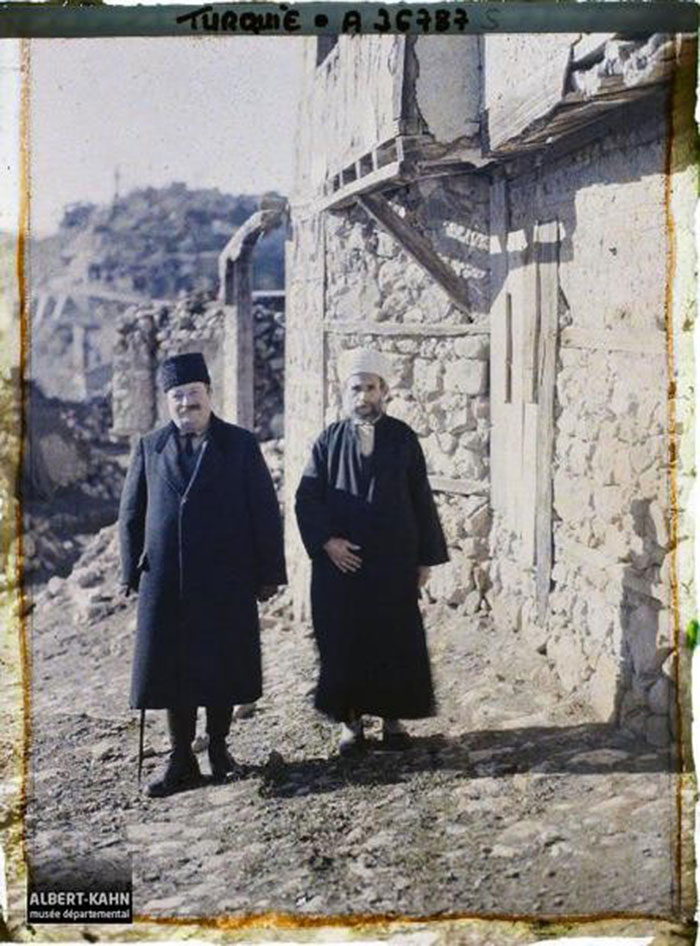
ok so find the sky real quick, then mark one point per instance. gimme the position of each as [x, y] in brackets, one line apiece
[209, 111]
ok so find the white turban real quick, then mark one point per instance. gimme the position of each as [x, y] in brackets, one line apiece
[363, 361]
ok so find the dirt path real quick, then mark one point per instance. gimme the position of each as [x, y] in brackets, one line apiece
[512, 801]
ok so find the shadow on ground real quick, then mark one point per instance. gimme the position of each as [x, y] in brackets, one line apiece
[586, 749]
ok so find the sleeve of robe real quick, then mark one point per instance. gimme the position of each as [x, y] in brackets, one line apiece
[313, 517]
[132, 518]
[432, 549]
[267, 524]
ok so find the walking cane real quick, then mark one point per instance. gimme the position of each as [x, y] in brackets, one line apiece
[141, 731]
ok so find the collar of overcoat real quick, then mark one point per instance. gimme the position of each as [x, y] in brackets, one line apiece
[209, 460]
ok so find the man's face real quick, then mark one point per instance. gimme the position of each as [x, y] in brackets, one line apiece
[364, 396]
[190, 406]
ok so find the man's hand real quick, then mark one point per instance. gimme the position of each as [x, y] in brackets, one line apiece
[340, 552]
[265, 592]
[423, 575]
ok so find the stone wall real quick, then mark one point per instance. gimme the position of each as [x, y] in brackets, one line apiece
[608, 629]
[376, 295]
[148, 334]
[370, 277]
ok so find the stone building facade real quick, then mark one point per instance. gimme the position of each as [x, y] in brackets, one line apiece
[513, 241]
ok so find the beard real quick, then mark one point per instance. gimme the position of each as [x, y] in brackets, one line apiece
[369, 413]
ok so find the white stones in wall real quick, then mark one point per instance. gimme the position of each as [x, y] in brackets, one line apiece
[452, 581]
[564, 648]
[391, 274]
[642, 627]
[385, 247]
[428, 376]
[408, 410]
[459, 419]
[437, 460]
[470, 466]
[475, 346]
[358, 299]
[571, 496]
[608, 503]
[477, 517]
[481, 407]
[659, 696]
[617, 542]
[658, 524]
[603, 687]
[466, 376]
[578, 456]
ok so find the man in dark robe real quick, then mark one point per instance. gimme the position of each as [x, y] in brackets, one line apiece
[201, 540]
[369, 524]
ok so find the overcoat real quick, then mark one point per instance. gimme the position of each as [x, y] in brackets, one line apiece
[368, 624]
[198, 552]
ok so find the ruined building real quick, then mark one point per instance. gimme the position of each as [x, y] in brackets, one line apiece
[514, 239]
[240, 332]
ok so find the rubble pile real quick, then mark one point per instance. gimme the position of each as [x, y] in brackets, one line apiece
[9, 452]
[93, 585]
[195, 316]
[73, 474]
[273, 452]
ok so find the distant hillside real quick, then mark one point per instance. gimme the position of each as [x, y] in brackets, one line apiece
[156, 242]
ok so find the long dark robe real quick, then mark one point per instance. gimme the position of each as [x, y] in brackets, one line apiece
[197, 552]
[368, 624]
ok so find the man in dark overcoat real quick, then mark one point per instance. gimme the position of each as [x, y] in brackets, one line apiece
[201, 542]
[368, 521]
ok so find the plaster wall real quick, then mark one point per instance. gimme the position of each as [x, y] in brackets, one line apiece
[350, 103]
[524, 78]
[608, 630]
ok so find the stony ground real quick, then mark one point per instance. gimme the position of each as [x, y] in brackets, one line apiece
[511, 801]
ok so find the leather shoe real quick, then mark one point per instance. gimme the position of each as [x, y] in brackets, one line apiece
[394, 736]
[182, 772]
[221, 761]
[395, 741]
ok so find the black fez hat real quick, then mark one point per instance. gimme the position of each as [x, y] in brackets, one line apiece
[184, 369]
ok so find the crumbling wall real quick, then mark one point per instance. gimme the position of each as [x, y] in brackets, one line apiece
[608, 629]
[304, 373]
[148, 334]
[377, 295]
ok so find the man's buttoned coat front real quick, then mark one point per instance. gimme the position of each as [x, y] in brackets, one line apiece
[198, 552]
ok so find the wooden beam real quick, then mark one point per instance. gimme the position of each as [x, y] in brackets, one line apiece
[500, 304]
[443, 484]
[418, 248]
[428, 330]
[392, 173]
[643, 343]
[547, 239]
